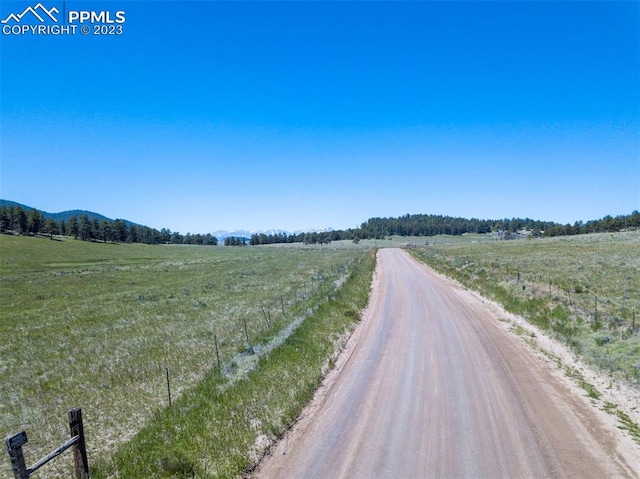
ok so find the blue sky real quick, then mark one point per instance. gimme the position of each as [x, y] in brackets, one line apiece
[226, 115]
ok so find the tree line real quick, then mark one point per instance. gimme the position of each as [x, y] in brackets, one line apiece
[608, 224]
[311, 237]
[32, 222]
[431, 225]
[407, 225]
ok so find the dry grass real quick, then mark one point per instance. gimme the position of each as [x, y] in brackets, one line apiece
[96, 325]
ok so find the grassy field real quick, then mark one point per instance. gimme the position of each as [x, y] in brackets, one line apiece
[585, 290]
[97, 326]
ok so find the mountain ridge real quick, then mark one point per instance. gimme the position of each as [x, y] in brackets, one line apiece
[378, 228]
[222, 234]
[63, 215]
[219, 234]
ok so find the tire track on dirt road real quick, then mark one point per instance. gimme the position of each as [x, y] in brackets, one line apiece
[435, 387]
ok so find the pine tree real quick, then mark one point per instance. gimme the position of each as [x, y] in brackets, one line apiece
[35, 222]
[84, 228]
[73, 227]
[21, 224]
[5, 220]
[51, 228]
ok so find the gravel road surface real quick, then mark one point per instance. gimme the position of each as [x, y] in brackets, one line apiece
[435, 387]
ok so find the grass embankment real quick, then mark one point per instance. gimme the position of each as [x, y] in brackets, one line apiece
[583, 290]
[97, 325]
[218, 431]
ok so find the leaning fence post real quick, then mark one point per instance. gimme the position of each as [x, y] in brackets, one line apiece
[168, 385]
[14, 448]
[80, 448]
[215, 341]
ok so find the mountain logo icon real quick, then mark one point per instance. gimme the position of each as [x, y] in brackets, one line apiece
[39, 11]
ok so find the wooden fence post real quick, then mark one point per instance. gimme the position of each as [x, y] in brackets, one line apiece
[215, 341]
[21, 471]
[14, 448]
[80, 448]
[246, 332]
[166, 370]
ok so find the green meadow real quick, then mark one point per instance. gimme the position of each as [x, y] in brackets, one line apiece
[100, 326]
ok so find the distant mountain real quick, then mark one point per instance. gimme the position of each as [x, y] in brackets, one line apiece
[327, 229]
[223, 234]
[8, 203]
[62, 216]
[65, 215]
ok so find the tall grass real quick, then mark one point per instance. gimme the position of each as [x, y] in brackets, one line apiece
[97, 326]
[584, 290]
[218, 431]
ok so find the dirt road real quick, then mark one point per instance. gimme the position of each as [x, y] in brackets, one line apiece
[437, 388]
